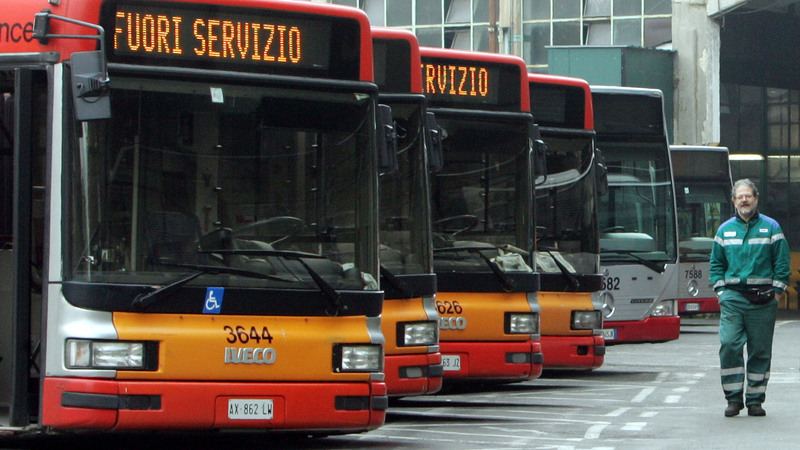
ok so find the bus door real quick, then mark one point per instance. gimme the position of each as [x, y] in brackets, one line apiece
[23, 137]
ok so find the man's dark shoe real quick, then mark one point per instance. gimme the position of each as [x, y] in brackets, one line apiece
[733, 409]
[756, 410]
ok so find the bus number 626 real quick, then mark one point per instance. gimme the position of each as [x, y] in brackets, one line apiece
[448, 307]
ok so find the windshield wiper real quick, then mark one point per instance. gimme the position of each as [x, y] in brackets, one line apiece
[330, 293]
[505, 281]
[660, 268]
[571, 278]
[142, 301]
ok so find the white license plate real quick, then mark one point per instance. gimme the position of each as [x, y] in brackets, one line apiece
[693, 306]
[250, 409]
[451, 362]
[609, 334]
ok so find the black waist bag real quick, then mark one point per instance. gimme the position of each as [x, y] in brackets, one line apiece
[759, 295]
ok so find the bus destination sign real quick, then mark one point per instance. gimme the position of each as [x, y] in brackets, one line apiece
[470, 84]
[228, 38]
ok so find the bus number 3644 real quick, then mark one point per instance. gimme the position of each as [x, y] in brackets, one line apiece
[243, 335]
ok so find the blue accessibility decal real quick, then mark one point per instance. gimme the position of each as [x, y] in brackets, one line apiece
[213, 303]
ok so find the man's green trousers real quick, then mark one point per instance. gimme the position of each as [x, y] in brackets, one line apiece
[742, 322]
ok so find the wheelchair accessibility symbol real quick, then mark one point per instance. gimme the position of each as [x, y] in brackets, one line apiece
[213, 303]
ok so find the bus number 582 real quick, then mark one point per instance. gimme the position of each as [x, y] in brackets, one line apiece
[611, 283]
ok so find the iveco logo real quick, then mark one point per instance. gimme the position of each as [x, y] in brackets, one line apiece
[642, 300]
[235, 355]
[452, 323]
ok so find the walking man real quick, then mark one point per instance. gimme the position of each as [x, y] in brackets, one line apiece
[749, 270]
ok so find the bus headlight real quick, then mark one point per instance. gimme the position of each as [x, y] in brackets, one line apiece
[358, 358]
[664, 308]
[112, 355]
[417, 333]
[522, 323]
[587, 320]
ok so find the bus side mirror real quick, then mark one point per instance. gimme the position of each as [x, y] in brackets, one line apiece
[601, 173]
[433, 143]
[90, 87]
[539, 162]
[387, 141]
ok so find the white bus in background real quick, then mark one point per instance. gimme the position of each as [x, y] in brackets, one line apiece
[638, 226]
[702, 178]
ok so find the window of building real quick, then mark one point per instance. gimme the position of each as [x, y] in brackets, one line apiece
[457, 38]
[627, 7]
[783, 120]
[480, 39]
[398, 13]
[657, 7]
[751, 113]
[428, 12]
[657, 31]
[567, 9]
[429, 37]
[597, 8]
[464, 24]
[458, 11]
[536, 37]
[536, 10]
[764, 124]
[567, 33]
[598, 33]
[627, 32]
[480, 10]
[376, 12]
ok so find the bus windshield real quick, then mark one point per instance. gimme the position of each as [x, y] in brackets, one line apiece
[478, 196]
[244, 179]
[702, 208]
[636, 215]
[565, 208]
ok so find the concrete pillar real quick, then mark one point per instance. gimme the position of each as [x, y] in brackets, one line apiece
[695, 38]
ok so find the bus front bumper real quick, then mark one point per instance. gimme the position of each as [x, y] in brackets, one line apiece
[507, 361]
[573, 352]
[651, 329]
[86, 403]
[413, 374]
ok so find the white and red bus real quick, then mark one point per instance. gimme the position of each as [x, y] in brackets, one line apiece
[410, 322]
[567, 235]
[638, 218]
[482, 203]
[190, 240]
[703, 184]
